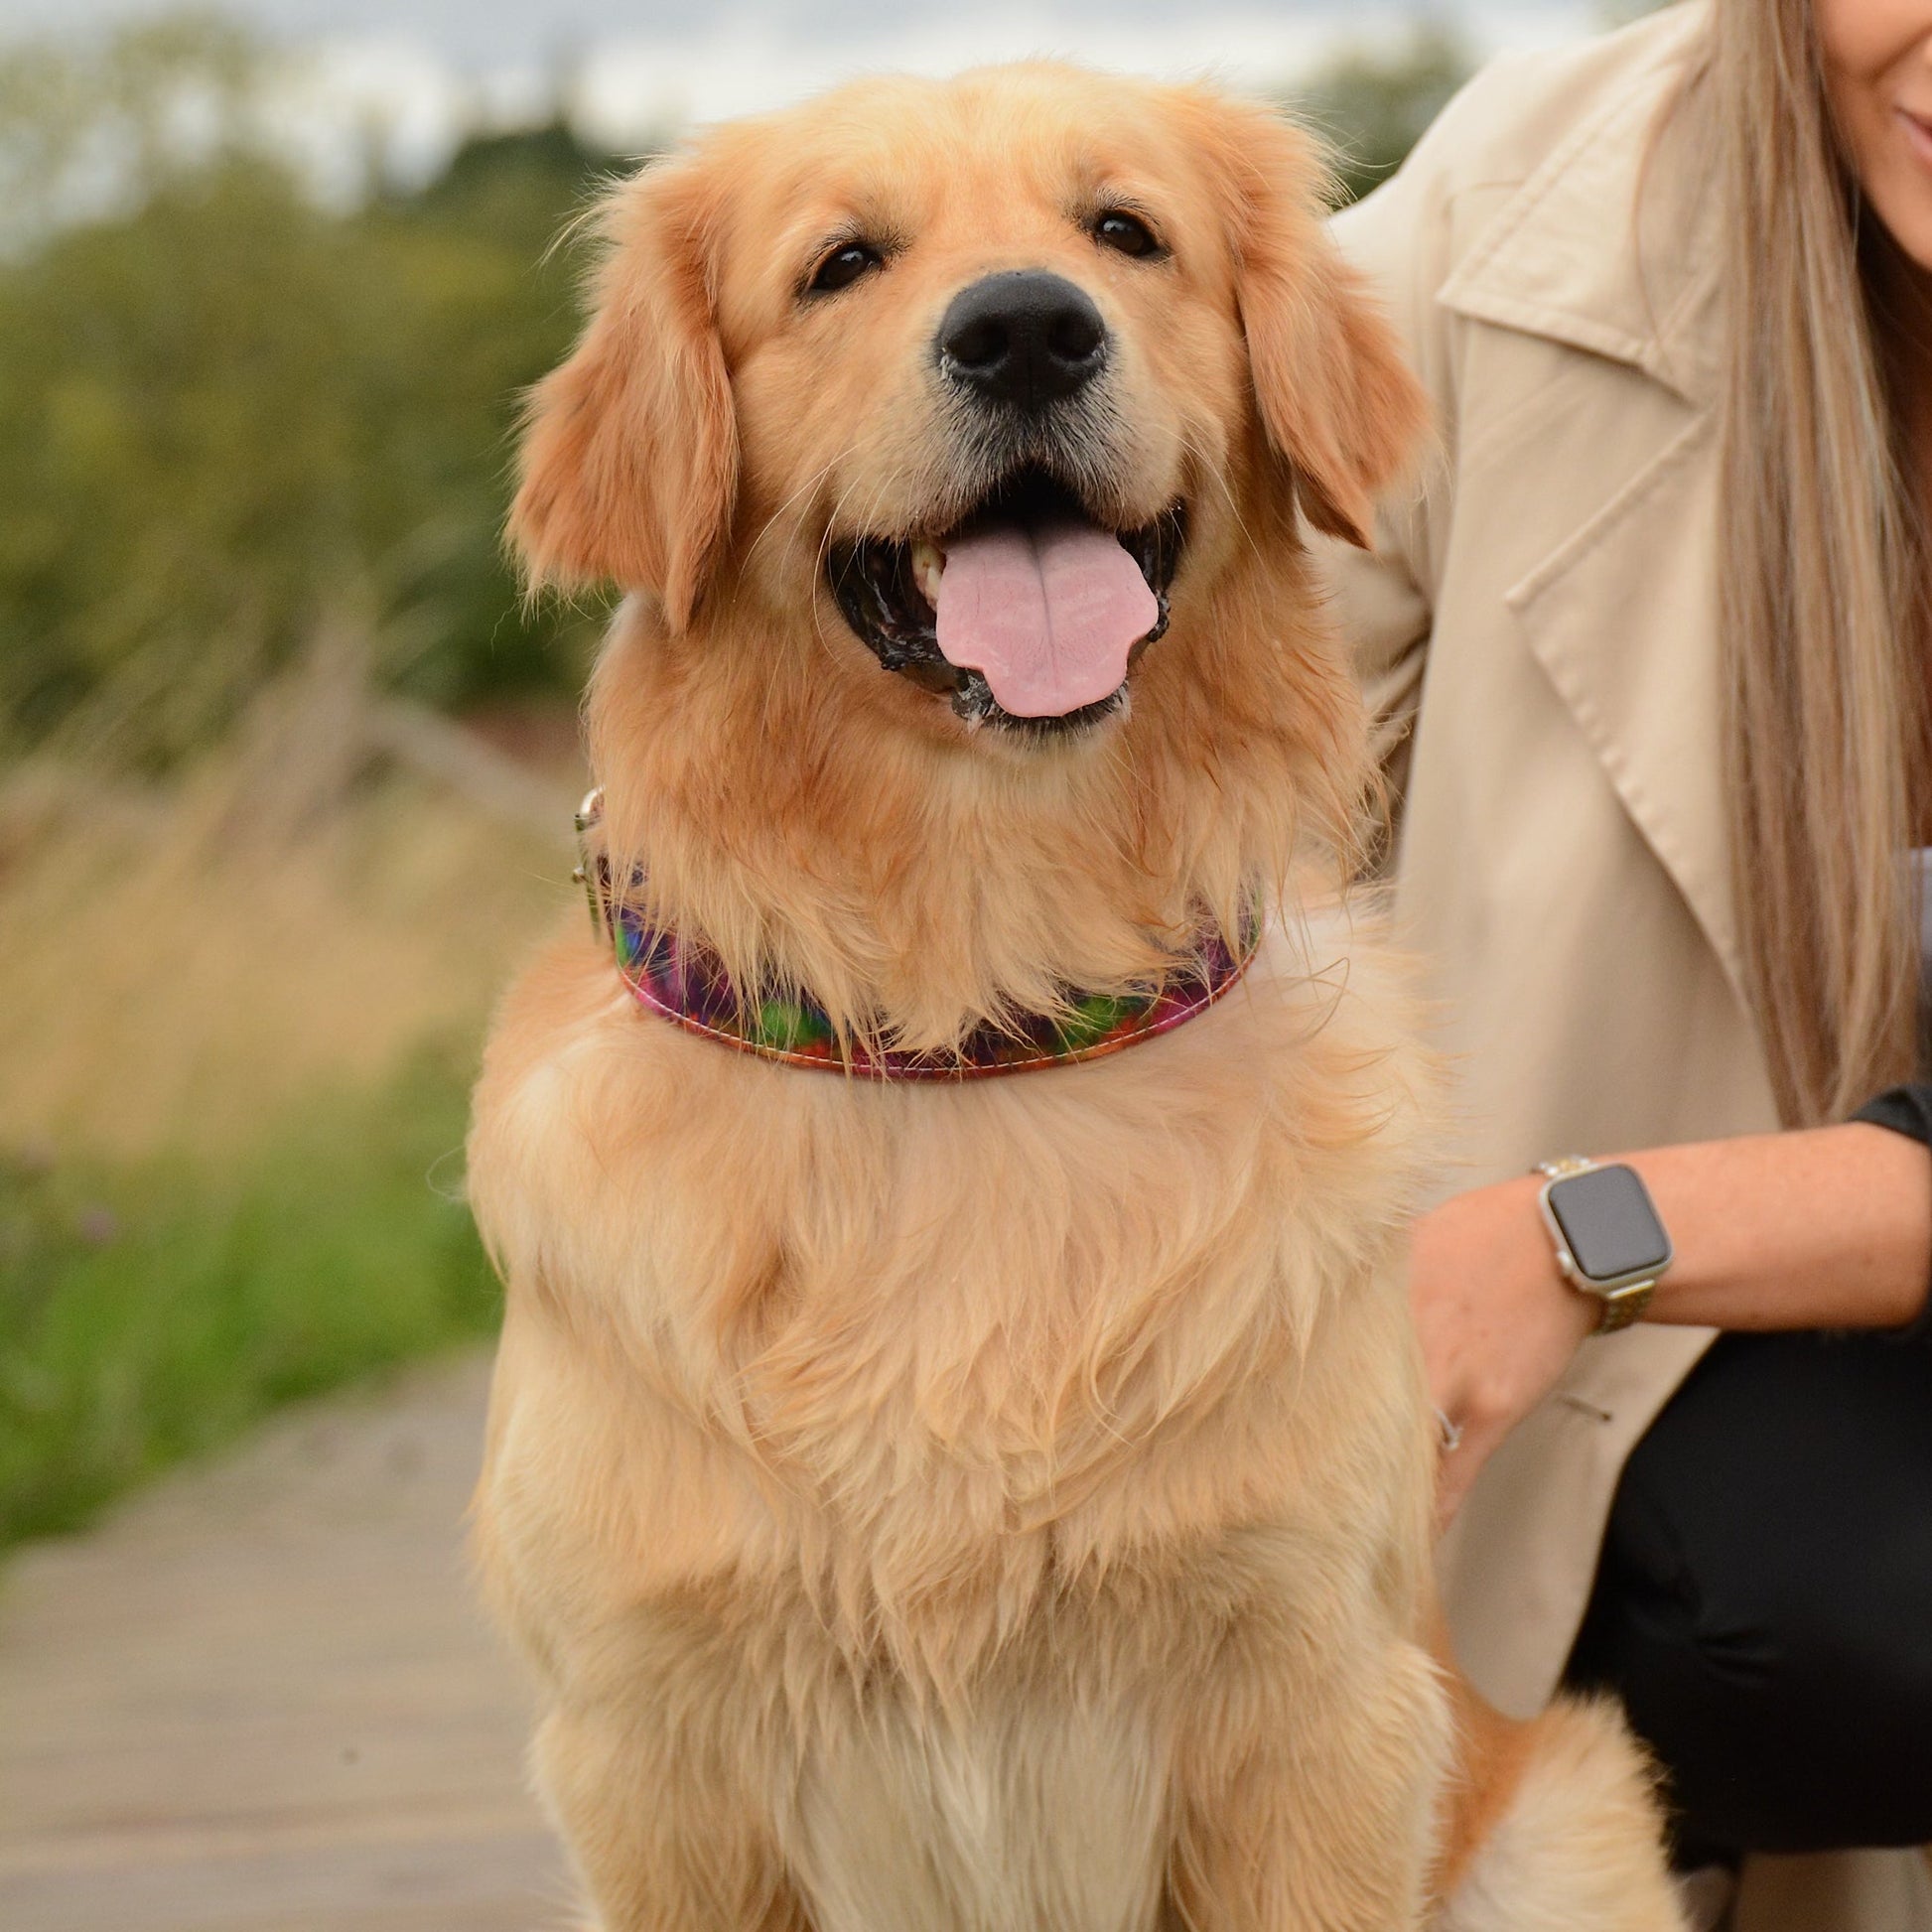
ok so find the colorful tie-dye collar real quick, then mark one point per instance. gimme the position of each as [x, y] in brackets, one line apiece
[685, 983]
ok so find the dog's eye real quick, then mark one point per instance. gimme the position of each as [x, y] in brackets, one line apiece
[844, 265]
[1116, 228]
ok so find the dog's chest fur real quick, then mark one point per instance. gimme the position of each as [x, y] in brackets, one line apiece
[1028, 1813]
[943, 1432]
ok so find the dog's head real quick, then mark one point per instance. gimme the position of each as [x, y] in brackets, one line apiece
[990, 383]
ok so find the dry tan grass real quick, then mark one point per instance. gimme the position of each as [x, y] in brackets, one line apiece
[178, 968]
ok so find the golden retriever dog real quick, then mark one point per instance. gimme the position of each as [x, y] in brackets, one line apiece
[937, 1503]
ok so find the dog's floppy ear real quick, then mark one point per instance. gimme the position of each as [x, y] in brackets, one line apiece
[1335, 399]
[630, 457]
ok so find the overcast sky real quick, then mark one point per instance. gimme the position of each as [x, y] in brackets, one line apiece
[485, 33]
[425, 68]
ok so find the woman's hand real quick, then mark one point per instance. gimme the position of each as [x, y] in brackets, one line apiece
[1828, 1228]
[1498, 1323]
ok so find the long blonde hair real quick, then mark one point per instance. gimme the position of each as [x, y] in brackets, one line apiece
[1820, 605]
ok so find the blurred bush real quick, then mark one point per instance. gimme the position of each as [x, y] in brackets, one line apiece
[255, 892]
[1374, 99]
[235, 417]
[148, 1313]
[1373, 102]
[238, 1017]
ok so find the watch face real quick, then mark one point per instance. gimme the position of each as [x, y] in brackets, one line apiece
[1608, 1224]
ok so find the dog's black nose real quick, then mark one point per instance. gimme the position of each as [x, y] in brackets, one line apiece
[1024, 337]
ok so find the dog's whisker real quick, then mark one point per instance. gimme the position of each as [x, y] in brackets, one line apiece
[805, 488]
[1203, 466]
[820, 561]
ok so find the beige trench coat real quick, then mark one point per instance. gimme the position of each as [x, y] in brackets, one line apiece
[1537, 625]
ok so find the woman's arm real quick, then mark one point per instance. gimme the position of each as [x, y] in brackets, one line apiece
[1828, 1228]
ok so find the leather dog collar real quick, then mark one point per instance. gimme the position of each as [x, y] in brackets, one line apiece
[683, 981]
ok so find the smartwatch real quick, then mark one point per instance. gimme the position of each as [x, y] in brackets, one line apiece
[1610, 1242]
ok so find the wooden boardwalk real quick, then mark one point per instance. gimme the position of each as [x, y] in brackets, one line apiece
[258, 1699]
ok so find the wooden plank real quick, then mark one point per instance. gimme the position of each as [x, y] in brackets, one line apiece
[259, 1698]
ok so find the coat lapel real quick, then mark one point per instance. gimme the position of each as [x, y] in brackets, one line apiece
[1590, 254]
[1604, 615]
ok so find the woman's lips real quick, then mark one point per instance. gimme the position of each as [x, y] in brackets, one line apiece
[1918, 133]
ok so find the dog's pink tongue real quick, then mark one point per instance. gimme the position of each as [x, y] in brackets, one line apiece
[1047, 616]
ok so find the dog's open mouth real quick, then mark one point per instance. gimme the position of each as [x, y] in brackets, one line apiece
[1026, 613]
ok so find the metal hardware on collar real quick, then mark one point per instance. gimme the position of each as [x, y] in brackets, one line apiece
[588, 814]
[685, 983]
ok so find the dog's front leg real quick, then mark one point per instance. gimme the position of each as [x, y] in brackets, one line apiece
[1304, 1790]
[666, 1834]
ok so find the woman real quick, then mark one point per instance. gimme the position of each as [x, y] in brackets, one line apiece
[1652, 639]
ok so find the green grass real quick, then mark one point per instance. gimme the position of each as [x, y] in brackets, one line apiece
[147, 1315]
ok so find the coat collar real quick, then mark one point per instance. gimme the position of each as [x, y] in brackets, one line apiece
[1610, 244]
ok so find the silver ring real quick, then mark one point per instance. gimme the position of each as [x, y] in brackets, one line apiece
[1452, 1433]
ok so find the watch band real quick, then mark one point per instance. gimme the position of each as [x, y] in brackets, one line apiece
[1618, 1304]
[1622, 1306]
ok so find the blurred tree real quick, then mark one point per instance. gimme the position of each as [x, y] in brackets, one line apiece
[232, 416]
[85, 127]
[1373, 102]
